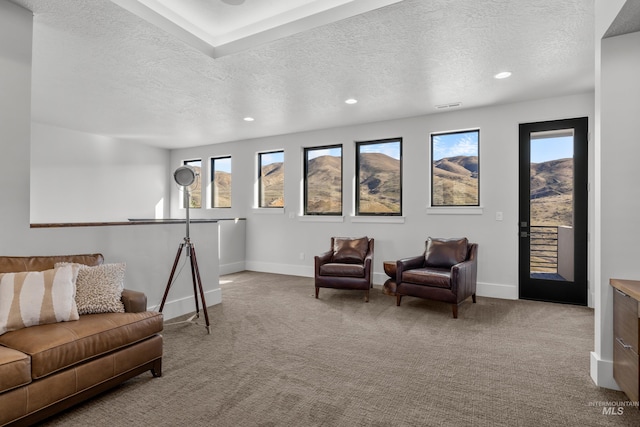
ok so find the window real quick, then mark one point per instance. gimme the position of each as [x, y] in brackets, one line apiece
[271, 179]
[221, 182]
[195, 188]
[454, 169]
[323, 180]
[379, 177]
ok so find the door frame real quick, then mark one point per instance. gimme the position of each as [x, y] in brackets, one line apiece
[575, 292]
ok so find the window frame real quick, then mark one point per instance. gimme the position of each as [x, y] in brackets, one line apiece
[359, 144]
[212, 171]
[259, 160]
[432, 161]
[198, 179]
[305, 160]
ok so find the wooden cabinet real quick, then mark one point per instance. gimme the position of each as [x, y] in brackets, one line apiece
[626, 326]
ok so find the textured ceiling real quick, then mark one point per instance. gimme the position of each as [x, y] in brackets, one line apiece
[98, 68]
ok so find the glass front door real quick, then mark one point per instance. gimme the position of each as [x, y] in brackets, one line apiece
[553, 211]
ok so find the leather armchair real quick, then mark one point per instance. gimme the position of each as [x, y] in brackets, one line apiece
[447, 272]
[346, 266]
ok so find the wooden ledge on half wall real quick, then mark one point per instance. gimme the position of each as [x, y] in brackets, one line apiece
[132, 221]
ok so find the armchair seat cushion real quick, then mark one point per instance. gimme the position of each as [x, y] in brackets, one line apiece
[342, 270]
[437, 277]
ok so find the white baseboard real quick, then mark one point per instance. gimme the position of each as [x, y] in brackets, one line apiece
[233, 267]
[491, 290]
[289, 269]
[494, 290]
[602, 372]
[181, 306]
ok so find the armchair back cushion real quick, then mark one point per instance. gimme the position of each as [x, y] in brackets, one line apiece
[445, 253]
[350, 251]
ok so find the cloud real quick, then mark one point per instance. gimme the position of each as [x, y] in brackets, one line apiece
[455, 145]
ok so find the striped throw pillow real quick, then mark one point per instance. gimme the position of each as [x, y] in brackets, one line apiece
[37, 298]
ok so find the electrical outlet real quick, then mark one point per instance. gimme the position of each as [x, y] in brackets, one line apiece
[499, 216]
[301, 255]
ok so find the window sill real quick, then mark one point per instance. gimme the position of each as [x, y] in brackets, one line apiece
[321, 218]
[268, 211]
[378, 219]
[455, 210]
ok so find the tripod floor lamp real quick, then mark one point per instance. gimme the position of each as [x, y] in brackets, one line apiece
[185, 176]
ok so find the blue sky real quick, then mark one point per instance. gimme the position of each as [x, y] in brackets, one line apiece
[335, 152]
[546, 149]
[223, 164]
[391, 149]
[455, 144]
[275, 157]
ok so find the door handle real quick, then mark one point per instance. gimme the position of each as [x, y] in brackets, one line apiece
[625, 346]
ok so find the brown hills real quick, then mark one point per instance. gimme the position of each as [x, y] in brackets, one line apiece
[273, 185]
[221, 190]
[324, 184]
[551, 187]
[455, 181]
[379, 183]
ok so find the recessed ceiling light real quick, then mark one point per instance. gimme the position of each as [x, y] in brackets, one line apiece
[351, 101]
[249, 119]
[503, 75]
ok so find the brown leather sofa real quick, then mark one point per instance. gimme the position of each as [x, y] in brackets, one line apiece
[347, 265]
[48, 368]
[447, 271]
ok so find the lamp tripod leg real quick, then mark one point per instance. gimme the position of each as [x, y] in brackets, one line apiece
[194, 265]
[173, 271]
[196, 270]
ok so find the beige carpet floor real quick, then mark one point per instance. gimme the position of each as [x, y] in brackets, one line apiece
[278, 357]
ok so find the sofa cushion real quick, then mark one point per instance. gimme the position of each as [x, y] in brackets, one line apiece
[57, 346]
[99, 288]
[438, 277]
[350, 251]
[37, 297]
[342, 270]
[15, 369]
[445, 253]
[14, 264]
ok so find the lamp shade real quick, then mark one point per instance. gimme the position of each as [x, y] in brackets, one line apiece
[185, 175]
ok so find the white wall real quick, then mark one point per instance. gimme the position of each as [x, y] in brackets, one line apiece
[618, 91]
[149, 250]
[15, 119]
[275, 242]
[80, 177]
[606, 138]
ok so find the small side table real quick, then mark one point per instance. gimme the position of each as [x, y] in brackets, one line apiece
[389, 287]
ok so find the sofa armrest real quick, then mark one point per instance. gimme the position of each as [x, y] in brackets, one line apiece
[407, 264]
[134, 301]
